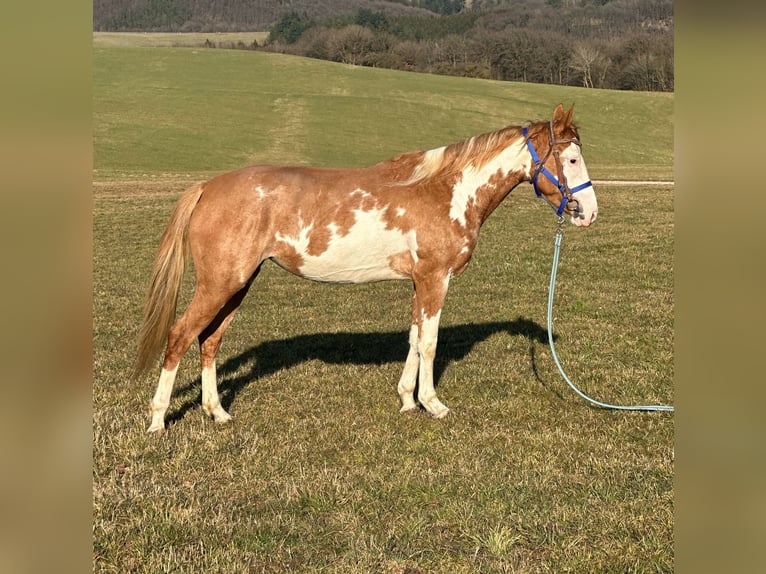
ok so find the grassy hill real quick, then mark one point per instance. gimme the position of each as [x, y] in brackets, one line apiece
[181, 110]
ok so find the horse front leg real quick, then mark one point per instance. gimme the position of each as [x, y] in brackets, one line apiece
[406, 387]
[427, 338]
[430, 292]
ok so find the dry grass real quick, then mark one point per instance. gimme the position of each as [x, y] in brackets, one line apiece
[320, 473]
[175, 39]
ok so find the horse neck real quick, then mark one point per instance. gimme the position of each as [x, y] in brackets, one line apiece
[487, 185]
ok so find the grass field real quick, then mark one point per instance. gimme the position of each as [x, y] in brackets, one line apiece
[174, 39]
[179, 110]
[319, 472]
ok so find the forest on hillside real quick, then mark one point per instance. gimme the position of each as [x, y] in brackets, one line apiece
[230, 15]
[612, 44]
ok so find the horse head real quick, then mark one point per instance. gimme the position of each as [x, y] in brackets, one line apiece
[559, 170]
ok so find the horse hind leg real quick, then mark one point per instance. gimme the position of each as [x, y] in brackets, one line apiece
[209, 343]
[204, 307]
[161, 400]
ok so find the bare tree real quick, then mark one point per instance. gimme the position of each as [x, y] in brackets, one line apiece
[454, 50]
[584, 57]
[351, 44]
[411, 55]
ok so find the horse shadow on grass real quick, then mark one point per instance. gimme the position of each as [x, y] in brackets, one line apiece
[378, 348]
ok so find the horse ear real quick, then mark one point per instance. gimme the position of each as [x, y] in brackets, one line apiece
[568, 119]
[558, 114]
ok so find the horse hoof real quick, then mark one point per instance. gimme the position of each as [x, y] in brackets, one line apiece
[437, 410]
[156, 429]
[218, 414]
[222, 418]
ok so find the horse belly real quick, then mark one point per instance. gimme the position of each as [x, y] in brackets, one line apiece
[368, 252]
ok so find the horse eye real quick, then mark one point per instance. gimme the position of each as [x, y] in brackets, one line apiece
[573, 161]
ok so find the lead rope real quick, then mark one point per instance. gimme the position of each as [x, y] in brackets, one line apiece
[551, 288]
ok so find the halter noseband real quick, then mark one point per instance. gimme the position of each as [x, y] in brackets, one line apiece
[561, 181]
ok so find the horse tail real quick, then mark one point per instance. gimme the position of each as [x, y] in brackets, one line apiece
[168, 270]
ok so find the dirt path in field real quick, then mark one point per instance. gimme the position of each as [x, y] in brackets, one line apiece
[148, 186]
[630, 182]
[286, 145]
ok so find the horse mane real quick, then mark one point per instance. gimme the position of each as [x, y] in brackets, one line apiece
[475, 151]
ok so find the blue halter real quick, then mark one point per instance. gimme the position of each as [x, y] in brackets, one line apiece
[566, 192]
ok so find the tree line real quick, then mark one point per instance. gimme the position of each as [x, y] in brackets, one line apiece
[620, 45]
[232, 15]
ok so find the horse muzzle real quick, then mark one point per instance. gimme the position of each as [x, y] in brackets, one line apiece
[583, 219]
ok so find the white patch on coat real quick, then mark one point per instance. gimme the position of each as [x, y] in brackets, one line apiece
[577, 173]
[429, 335]
[211, 403]
[300, 243]
[408, 380]
[427, 349]
[161, 400]
[464, 191]
[429, 163]
[360, 256]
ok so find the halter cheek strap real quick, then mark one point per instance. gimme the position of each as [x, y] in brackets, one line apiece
[566, 191]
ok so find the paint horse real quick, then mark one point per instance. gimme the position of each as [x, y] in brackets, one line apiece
[415, 216]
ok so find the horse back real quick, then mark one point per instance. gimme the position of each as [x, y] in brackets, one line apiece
[326, 224]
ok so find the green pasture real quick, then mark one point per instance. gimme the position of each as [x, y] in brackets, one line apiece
[318, 471]
[181, 110]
